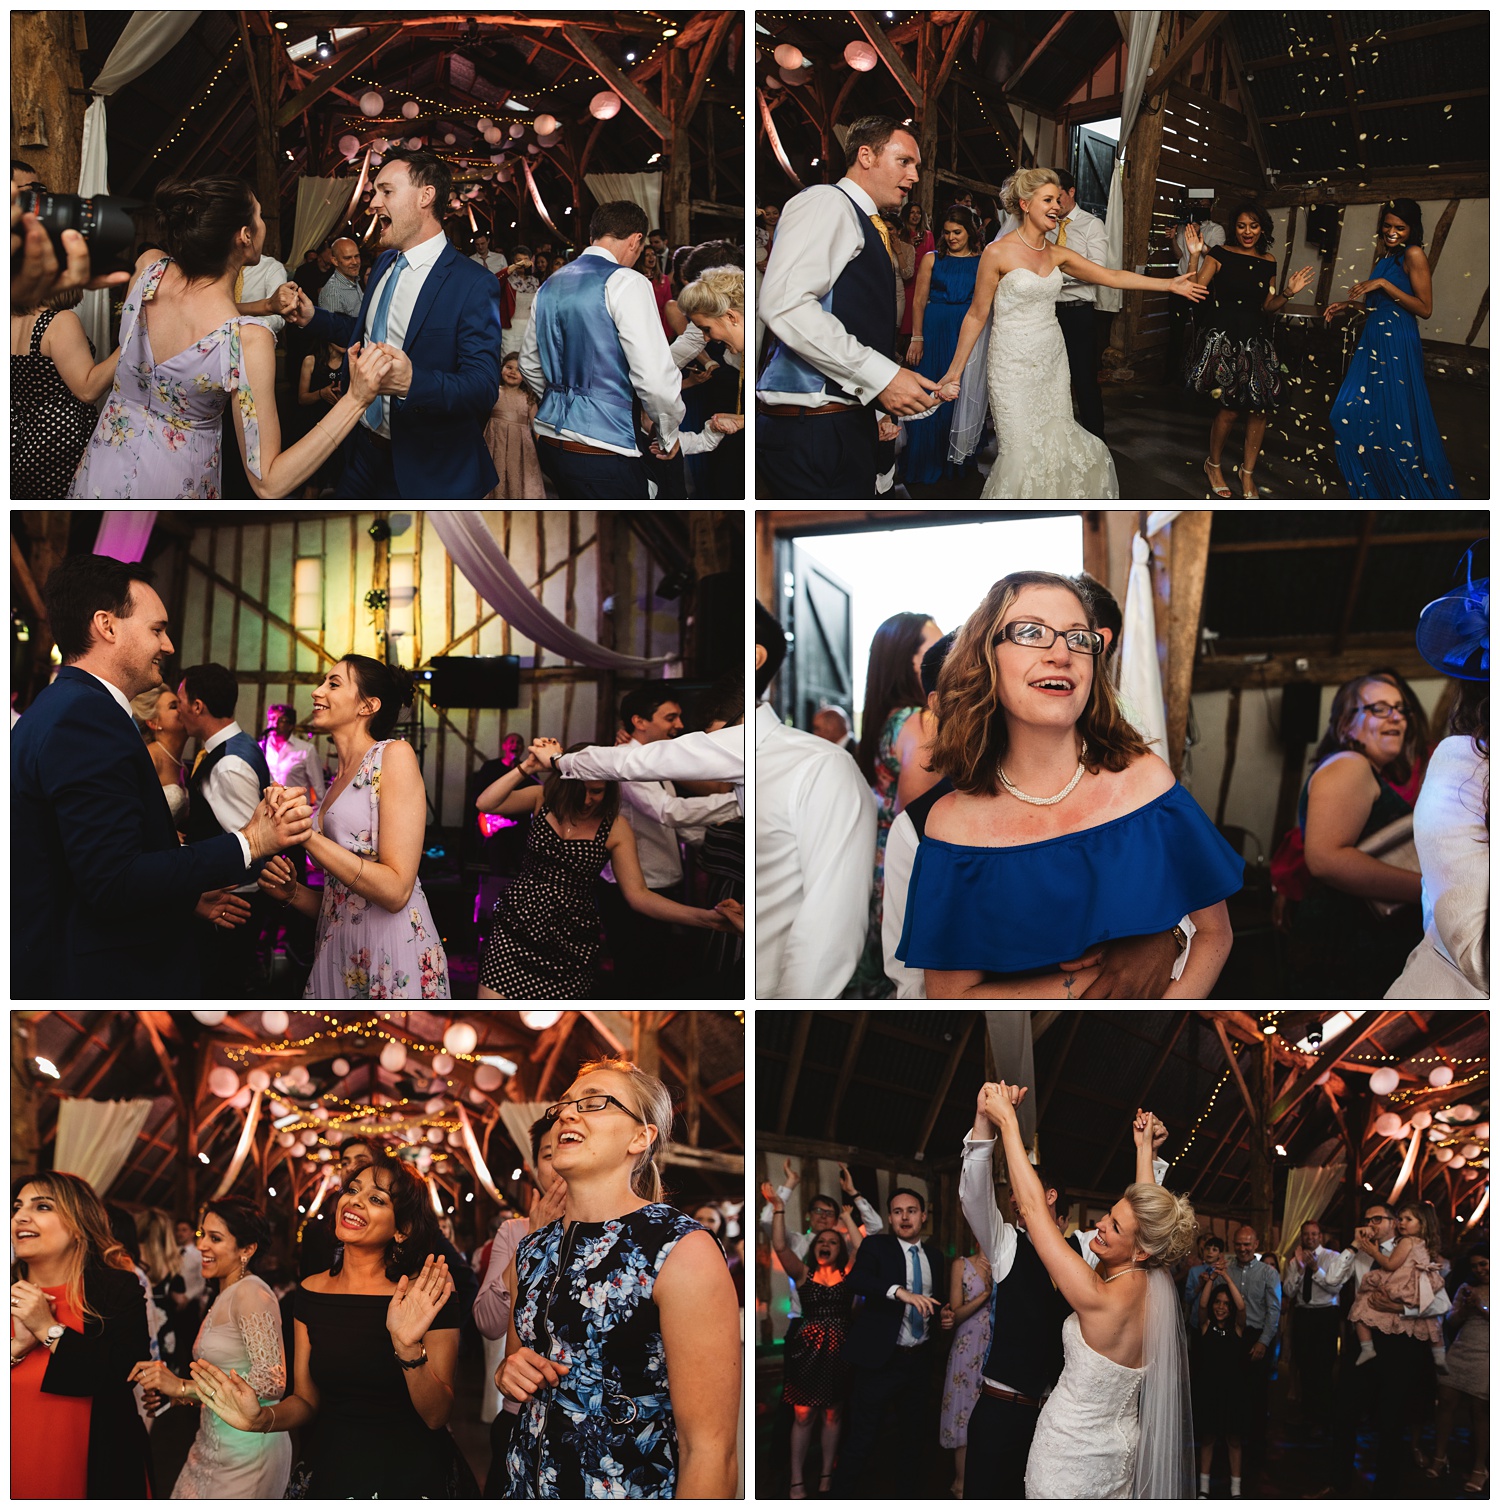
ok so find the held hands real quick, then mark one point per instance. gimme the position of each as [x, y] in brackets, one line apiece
[31, 1306]
[887, 429]
[546, 1209]
[290, 301]
[228, 1396]
[945, 1318]
[417, 1302]
[733, 914]
[998, 1101]
[223, 908]
[157, 1381]
[524, 1372]
[278, 879]
[544, 752]
[1187, 287]
[397, 378]
[369, 369]
[909, 393]
[283, 820]
[728, 424]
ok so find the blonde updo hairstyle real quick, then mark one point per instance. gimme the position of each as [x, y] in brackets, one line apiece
[651, 1101]
[1023, 185]
[1166, 1224]
[713, 293]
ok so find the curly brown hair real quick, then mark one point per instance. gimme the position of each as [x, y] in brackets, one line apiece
[1346, 708]
[972, 735]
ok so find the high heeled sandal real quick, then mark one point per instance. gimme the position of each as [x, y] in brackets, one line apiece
[1221, 488]
[1433, 1468]
[794, 1495]
[1476, 1481]
[1247, 480]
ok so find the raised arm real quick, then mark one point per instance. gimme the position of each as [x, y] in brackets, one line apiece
[508, 796]
[1112, 277]
[791, 1265]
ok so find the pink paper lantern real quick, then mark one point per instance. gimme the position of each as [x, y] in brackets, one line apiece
[1441, 1076]
[483, 123]
[546, 125]
[1388, 1125]
[449, 139]
[415, 143]
[796, 76]
[1384, 1081]
[861, 57]
[349, 145]
[258, 1080]
[1324, 1078]
[773, 83]
[605, 105]
[371, 103]
[488, 1078]
[411, 110]
[393, 1056]
[223, 1081]
[788, 56]
[1422, 1120]
[517, 131]
[1457, 1161]
[1471, 1150]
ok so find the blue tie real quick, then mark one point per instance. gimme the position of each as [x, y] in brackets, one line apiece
[375, 413]
[914, 1272]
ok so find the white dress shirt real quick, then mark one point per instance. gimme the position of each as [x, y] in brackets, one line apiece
[420, 261]
[192, 1272]
[1354, 1263]
[814, 857]
[1211, 232]
[660, 820]
[819, 234]
[719, 756]
[296, 763]
[261, 281]
[900, 856]
[1088, 237]
[653, 374]
[491, 262]
[914, 1328]
[233, 791]
[1325, 1295]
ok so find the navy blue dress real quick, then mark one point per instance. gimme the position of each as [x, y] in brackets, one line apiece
[1027, 907]
[1384, 433]
[948, 299]
[584, 1298]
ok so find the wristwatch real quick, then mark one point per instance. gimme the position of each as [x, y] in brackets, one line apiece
[1181, 938]
[53, 1335]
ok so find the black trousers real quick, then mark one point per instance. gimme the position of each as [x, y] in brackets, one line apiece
[819, 456]
[1077, 321]
[1000, 1433]
[228, 954]
[368, 470]
[901, 1386]
[649, 958]
[1257, 1405]
[1405, 1380]
[500, 1433]
[1315, 1347]
[576, 475]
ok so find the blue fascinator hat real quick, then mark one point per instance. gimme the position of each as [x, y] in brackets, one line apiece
[1453, 631]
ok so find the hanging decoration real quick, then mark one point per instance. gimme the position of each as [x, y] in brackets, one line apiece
[546, 124]
[1384, 1081]
[788, 56]
[861, 57]
[242, 1149]
[371, 103]
[536, 198]
[476, 1158]
[605, 105]
[775, 139]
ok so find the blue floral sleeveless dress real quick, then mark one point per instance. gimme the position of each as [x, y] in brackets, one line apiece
[584, 1298]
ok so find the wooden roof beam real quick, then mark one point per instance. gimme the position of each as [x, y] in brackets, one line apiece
[343, 65]
[1247, 105]
[851, 1053]
[1355, 1033]
[1010, 85]
[1465, 22]
[707, 57]
[1356, 576]
[1192, 39]
[956, 40]
[1157, 1065]
[592, 54]
[869, 24]
[1234, 1069]
[941, 1094]
[735, 1132]
[793, 1070]
[1370, 106]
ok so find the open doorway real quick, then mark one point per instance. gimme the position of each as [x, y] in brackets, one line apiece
[838, 585]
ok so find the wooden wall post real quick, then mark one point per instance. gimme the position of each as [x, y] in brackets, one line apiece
[928, 38]
[47, 98]
[1141, 159]
[264, 82]
[680, 162]
[1181, 559]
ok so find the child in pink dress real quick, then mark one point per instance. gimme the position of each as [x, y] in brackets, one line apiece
[1410, 1274]
[508, 436]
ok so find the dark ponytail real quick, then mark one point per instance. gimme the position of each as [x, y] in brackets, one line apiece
[200, 219]
[392, 685]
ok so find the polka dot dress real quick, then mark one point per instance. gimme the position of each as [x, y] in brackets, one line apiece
[816, 1373]
[49, 428]
[545, 931]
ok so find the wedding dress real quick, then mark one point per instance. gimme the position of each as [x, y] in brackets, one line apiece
[1043, 452]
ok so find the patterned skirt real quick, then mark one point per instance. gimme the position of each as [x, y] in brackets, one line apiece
[1241, 374]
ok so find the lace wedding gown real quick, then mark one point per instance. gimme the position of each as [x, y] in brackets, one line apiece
[1087, 1434]
[1043, 453]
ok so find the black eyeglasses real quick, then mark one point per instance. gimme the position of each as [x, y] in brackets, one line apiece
[1043, 637]
[1383, 710]
[1378, 1218]
[587, 1104]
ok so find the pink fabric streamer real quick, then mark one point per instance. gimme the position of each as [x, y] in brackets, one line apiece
[124, 534]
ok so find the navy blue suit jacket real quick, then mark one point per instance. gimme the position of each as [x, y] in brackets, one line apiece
[879, 1264]
[453, 340]
[101, 893]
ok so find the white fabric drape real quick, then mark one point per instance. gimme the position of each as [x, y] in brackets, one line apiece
[1308, 1192]
[125, 533]
[643, 189]
[516, 1118]
[1139, 28]
[148, 37]
[322, 203]
[477, 554]
[1140, 670]
[94, 1138]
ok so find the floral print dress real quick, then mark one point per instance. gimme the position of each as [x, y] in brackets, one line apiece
[159, 433]
[584, 1298]
[363, 952]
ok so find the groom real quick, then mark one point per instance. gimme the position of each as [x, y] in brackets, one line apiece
[1027, 1312]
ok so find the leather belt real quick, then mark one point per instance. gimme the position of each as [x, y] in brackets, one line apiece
[576, 446]
[796, 411]
[1009, 1394]
[380, 442]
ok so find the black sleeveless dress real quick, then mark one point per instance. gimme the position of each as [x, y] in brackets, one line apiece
[1235, 361]
[49, 428]
[816, 1373]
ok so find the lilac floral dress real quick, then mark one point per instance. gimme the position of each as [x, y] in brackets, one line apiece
[159, 434]
[364, 952]
[970, 1343]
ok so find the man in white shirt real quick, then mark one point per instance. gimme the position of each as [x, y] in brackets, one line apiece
[814, 848]
[292, 760]
[719, 756]
[828, 301]
[1312, 1302]
[492, 262]
[594, 348]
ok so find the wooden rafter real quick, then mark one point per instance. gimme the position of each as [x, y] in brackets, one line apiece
[1013, 82]
[1192, 39]
[956, 40]
[846, 1069]
[793, 1070]
[869, 23]
[955, 1055]
[1356, 578]
[1144, 1093]
[1355, 1034]
[592, 54]
[707, 57]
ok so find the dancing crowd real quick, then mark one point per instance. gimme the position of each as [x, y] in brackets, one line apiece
[1003, 763]
[255, 851]
[1056, 1363]
[893, 349]
[427, 365]
[321, 1362]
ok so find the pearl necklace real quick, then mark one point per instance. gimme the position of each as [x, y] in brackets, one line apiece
[1021, 796]
[1025, 242]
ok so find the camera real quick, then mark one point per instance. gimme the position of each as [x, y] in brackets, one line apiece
[102, 222]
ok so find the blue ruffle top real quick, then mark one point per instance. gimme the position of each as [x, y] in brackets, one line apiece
[1004, 909]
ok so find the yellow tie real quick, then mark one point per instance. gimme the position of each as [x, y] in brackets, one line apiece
[1062, 234]
[197, 761]
[239, 286]
[885, 235]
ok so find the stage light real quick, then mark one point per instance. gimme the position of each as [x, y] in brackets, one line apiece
[1281, 1150]
[270, 1189]
[47, 1067]
[630, 57]
[655, 157]
[325, 46]
[1368, 1185]
[279, 25]
[203, 1158]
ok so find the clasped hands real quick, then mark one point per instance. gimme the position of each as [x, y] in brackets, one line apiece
[385, 368]
[30, 1311]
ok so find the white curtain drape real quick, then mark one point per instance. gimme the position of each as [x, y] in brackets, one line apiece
[125, 533]
[477, 554]
[94, 1138]
[148, 37]
[516, 1118]
[1139, 28]
[322, 203]
[1140, 670]
[1308, 1192]
[643, 189]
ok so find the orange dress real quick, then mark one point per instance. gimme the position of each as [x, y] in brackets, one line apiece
[49, 1434]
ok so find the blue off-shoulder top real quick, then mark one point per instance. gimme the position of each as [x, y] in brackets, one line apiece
[1026, 907]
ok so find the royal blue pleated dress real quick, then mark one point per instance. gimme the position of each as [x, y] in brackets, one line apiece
[1027, 907]
[1384, 432]
[948, 299]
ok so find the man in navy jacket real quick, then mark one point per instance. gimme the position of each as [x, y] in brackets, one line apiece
[904, 1285]
[439, 313]
[101, 892]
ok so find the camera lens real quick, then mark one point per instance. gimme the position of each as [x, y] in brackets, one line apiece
[103, 222]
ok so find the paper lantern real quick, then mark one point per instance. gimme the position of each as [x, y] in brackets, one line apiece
[286, 1139]
[505, 174]
[376, 158]
[1388, 1124]
[371, 103]
[1442, 1155]
[476, 1098]
[393, 1057]
[435, 1134]
[442, 1064]
[517, 131]
[605, 105]
[546, 125]
[424, 1160]
[537, 1021]
[335, 1136]
[415, 143]
[798, 76]
[551, 139]
[861, 57]
[275, 1023]
[1457, 1161]
[788, 56]
[455, 1139]
[241, 1098]
[1441, 1076]
[772, 82]
[340, 1067]
[258, 1080]
[1471, 1174]
[411, 110]
[223, 1081]
[1469, 1150]
[449, 139]
[483, 123]
[1404, 1131]
[488, 1078]
[1324, 1078]
[1421, 1120]
[210, 1019]
[1436, 1135]
[1384, 1081]
[1464, 1113]
[308, 1137]
[460, 1038]
[493, 136]
[1482, 1130]
[349, 145]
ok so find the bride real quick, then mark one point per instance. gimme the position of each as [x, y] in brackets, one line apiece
[1043, 453]
[1118, 1425]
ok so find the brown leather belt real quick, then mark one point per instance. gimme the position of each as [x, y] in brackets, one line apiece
[380, 442]
[796, 411]
[1009, 1394]
[576, 446]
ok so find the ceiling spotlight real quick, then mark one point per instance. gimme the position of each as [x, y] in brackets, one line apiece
[1315, 1035]
[671, 31]
[324, 48]
[1269, 1029]
[1281, 1150]
[280, 25]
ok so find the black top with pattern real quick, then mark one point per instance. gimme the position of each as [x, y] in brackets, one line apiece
[545, 931]
[584, 1298]
[49, 428]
